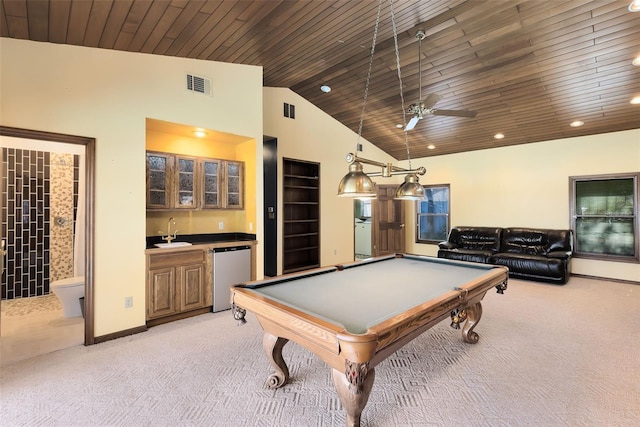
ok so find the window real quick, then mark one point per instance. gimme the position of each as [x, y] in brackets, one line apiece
[432, 220]
[604, 216]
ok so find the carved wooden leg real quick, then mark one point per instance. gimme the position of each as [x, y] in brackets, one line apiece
[353, 397]
[273, 347]
[474, 313]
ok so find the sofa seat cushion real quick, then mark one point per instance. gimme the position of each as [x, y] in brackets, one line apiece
[466, 255]
[532, 265]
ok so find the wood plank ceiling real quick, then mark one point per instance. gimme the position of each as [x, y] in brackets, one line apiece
[528, 67]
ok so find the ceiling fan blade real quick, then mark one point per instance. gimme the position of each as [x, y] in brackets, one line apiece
[412, 123]
[431, 100]
[456, 113]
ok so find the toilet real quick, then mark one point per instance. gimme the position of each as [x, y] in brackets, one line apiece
[69, 291]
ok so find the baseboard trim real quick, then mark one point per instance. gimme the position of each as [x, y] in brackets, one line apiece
[178, 316]
[609, 279]
[120, 334]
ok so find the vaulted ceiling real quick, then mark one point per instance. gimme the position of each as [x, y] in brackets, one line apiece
[528, 68]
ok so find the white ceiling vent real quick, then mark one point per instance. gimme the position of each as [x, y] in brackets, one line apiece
[198, 84]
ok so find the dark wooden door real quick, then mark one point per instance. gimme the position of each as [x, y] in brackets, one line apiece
[270, 168]
[387, 222]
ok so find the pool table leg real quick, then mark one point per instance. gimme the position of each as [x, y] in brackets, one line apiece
[474, 313]
[272, 345]
[353, 397]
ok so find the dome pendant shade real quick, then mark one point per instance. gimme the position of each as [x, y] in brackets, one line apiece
[356, 183]
[410, 188]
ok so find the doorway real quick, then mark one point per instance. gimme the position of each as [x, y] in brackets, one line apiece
[48, 184]
[388, 227]
[363, 232]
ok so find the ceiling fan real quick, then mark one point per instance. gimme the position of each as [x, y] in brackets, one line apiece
[424, 107]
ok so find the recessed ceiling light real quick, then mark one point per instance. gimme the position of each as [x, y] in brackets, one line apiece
[576, 123]
[199, 133]
[325, 88]
[635, 101]
[399, 126]
[431, 147]
[636, 61]
[634, 6]
[498, 136]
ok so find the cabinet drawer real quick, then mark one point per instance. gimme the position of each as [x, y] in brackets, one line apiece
[176, 258]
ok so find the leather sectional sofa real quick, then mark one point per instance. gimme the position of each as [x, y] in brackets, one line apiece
[531, 254]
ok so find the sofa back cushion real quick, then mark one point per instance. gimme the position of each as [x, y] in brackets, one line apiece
[531, 241]
[476, 238]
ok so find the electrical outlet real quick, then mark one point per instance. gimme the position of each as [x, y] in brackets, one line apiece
[220, 225]
[128, 302]
[250, 226]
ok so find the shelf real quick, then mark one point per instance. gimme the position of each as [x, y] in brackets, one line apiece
[301, 177]
[301, 215]
[301, 187]
[288, 236]
[300, 249]
[294, 269]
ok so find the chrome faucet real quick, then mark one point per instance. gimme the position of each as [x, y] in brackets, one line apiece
[169, 237]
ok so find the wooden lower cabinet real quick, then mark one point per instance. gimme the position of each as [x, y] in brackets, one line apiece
[161, 293]
[191, 287]
[176, 283]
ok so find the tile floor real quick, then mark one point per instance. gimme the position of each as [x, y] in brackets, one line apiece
[33, 326]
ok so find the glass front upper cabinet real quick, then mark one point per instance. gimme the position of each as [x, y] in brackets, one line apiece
[159, 168]
[211, 184]
[185, 191]
[234, 196]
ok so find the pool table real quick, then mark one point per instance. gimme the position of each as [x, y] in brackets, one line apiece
[355, 315]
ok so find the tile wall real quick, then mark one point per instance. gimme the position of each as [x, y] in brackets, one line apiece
[39, 191]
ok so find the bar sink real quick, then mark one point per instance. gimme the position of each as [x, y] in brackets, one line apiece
[172, 244]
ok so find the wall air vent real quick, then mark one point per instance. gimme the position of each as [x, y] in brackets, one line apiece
[198, 84]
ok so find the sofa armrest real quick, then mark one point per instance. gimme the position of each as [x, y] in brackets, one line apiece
[559, 254]
[447, 245]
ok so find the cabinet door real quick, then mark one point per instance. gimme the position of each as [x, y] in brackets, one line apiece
[162, 292]
[191, 287]
[234, 194]
[186, 182]
[159, 180]
[211, 183]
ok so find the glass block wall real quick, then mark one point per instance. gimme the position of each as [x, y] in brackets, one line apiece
[37, 189]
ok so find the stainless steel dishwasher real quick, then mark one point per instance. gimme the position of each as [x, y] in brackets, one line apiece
[230, 267]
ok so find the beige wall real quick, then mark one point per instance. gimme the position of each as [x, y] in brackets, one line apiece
[528, 186]
[107, 95]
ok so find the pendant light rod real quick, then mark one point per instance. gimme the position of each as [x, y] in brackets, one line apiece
[420, 35]
[388, 169]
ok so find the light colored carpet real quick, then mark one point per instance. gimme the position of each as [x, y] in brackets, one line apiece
[548, 356]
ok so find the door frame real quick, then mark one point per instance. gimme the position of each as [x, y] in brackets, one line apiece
[90, 170]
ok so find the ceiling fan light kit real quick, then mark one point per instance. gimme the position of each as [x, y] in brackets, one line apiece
[424, 107]
[358, 184]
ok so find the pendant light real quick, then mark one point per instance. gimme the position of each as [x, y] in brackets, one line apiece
[358, 184]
